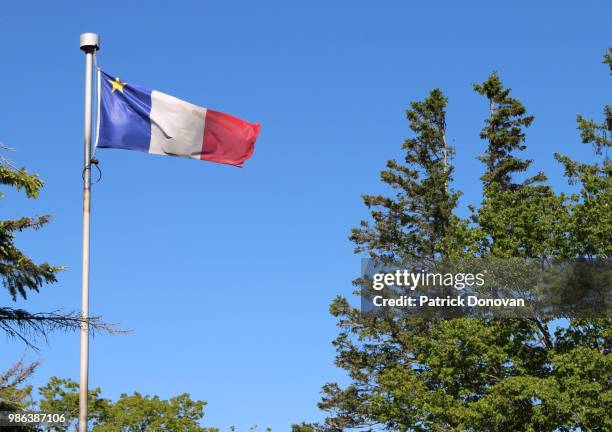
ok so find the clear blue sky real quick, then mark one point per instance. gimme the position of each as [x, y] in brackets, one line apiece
[225, 275]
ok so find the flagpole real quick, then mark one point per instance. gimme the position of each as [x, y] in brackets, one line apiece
[90, 42]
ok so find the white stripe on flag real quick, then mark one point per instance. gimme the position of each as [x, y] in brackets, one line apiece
[177, 127]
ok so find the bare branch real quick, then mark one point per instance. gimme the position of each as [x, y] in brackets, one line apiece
[17, 374]
[26, 326]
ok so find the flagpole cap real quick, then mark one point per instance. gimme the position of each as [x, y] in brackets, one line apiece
[90, 41]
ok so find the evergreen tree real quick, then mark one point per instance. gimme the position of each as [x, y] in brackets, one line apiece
[515, 218]
[19, 274]
[410, 374]
[504, 132]
[418, 220]
[591, 206]
[599, 135]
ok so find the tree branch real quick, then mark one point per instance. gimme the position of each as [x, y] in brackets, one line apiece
[26, 326]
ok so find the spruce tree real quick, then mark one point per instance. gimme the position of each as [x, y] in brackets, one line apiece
[591, 207]
[18, 272]
[516, 218]
[504, 132]
[411, 374]
[415, 222]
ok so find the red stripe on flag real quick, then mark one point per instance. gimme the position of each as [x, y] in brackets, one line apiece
[228, 139]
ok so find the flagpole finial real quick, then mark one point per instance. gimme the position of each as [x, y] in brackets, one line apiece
[90, 41]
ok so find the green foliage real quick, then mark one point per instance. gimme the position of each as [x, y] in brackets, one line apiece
[62, 395]
[20, 179]
[18, 272]
[599, 135]
[515, 218]
[144, 413]
[410, 374]
[504, 131]
[302, 427]
[130, 413]
[589, 227]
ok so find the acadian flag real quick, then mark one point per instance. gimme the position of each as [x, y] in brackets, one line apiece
[135, 118]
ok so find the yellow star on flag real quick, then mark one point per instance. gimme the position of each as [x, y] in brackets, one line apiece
[117, 85]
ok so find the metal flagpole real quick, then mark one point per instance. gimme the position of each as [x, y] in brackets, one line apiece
[90, 42]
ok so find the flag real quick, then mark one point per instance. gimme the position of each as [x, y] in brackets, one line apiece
[131, 117]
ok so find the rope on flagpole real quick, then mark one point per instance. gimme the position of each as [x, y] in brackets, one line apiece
[94, 162]
[97, 112]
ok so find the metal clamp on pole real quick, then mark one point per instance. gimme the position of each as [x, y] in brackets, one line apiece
[90, 42]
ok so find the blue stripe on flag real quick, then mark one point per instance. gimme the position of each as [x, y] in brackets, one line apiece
[124, 115]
